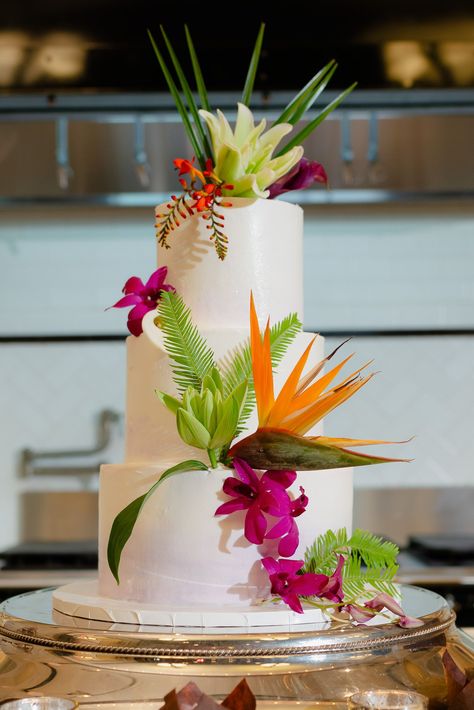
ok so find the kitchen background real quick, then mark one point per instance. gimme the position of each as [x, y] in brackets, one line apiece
[389, 259]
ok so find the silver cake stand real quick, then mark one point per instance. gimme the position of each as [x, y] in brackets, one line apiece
[104, 665]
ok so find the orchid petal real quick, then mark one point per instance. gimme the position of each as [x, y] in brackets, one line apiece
[245, 472]
[270, 565]
[409, 622]
[361, 616]
[309, 585]
[232, 506]
[130, 300]
[293, 602]
[283, 478]
[255, 525]
[133, 285]
[280, 529]
[385, 601]
[157, 279]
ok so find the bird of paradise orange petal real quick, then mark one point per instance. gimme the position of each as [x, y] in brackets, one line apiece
[279, 441]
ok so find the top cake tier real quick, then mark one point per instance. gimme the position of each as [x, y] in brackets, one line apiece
[265, 255]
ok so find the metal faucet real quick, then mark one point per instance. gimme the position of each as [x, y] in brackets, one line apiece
[74, 462]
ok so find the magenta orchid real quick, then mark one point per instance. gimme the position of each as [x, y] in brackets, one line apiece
[257, 496]
[303, 175]
[143, 297]
[385, 601]
[363, 614]
[289, 584]
[286, 529]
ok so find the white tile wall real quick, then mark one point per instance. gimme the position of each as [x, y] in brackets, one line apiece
[384, 267]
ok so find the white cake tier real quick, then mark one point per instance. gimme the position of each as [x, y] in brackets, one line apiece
[151, 434]
[180, 554]
[265, 255]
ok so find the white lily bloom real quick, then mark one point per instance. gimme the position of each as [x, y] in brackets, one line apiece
[243, 156]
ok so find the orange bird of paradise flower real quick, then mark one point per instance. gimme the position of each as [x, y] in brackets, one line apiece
[283, 421]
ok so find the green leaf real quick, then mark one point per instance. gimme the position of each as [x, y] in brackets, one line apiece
[206, 148]
[191, 355]
[170, 402]
[363, 548]
[191, 430]
[124, 522]
[179, 102]
[305, 97]
[237, 367]
[252, 71]
[277, 449]
[201, 87]
[309, 128]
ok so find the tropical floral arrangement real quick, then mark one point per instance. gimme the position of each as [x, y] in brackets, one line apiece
[214, 400]
[247, 161]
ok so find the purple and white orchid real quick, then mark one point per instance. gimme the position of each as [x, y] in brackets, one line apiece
[143, 297]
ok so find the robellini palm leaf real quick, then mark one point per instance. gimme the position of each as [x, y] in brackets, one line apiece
[237, 366]
[370, 560]
[191, 355]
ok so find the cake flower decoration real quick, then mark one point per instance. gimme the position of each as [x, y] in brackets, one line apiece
[247, 161]
[289, 583]
[258, 495]
[211, 405]
[279, 442]
[143, 297]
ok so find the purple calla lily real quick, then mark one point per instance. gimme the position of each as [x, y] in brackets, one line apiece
[304, 174]
[143, 297]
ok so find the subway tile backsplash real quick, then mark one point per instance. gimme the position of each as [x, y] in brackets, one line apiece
[378, 269]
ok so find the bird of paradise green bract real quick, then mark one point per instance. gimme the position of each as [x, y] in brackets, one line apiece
[283, 420]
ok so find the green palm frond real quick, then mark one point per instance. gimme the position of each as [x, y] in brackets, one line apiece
[374, 550]
[237, 366]
[320, 557]
[370, 560]
[191, 355]
[358, 580]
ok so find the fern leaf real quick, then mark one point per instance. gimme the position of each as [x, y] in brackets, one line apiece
[237, 367]
[191, 355]
[374, 550]
[370, 561]
[358, 581]
[320, 557]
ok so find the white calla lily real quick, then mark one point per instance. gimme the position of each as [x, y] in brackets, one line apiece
[243, 156]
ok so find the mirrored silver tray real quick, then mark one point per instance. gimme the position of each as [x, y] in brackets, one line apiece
[47, 653]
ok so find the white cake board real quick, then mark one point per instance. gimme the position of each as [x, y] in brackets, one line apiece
[81, 599]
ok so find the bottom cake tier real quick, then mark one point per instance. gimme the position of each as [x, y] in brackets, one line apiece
[181, 554]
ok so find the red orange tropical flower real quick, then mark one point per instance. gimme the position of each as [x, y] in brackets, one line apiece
[283, 420]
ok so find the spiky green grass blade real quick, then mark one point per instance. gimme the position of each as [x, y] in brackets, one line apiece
[201, 135]
[306, 96]
[309, 128]
[191, 356]
[252, 71]
[179, 102]
[200, 85]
